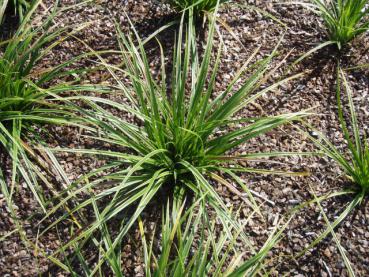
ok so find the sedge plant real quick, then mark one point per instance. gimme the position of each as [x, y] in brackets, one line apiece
[188, 246]
[344, 19]
[198, 6]
[187, 242]
[193, 245]
[353, 160]
[29, 99]
[180, 143]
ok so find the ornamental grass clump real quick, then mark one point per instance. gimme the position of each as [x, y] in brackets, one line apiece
[192, 244]
[185, 241]
[198, 6]
[28, 101]
[354, 161]
[180, 142]
[344, 19]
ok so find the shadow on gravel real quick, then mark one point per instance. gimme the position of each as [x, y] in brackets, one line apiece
[315, 66]
[166, 37]
[10, 24]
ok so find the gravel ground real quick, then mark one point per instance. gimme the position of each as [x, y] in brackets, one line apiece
[316, 89]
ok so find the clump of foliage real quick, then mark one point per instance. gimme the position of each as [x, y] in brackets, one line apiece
[185, 241]
[28, 99]
[181, 143]
[354, 161]
[344, 19]
[189, 246]
[199, 6]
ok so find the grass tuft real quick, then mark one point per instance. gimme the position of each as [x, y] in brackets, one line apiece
[354, 161]
[180, 143]
[198, 6]
[29, 99]
[344, 19]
